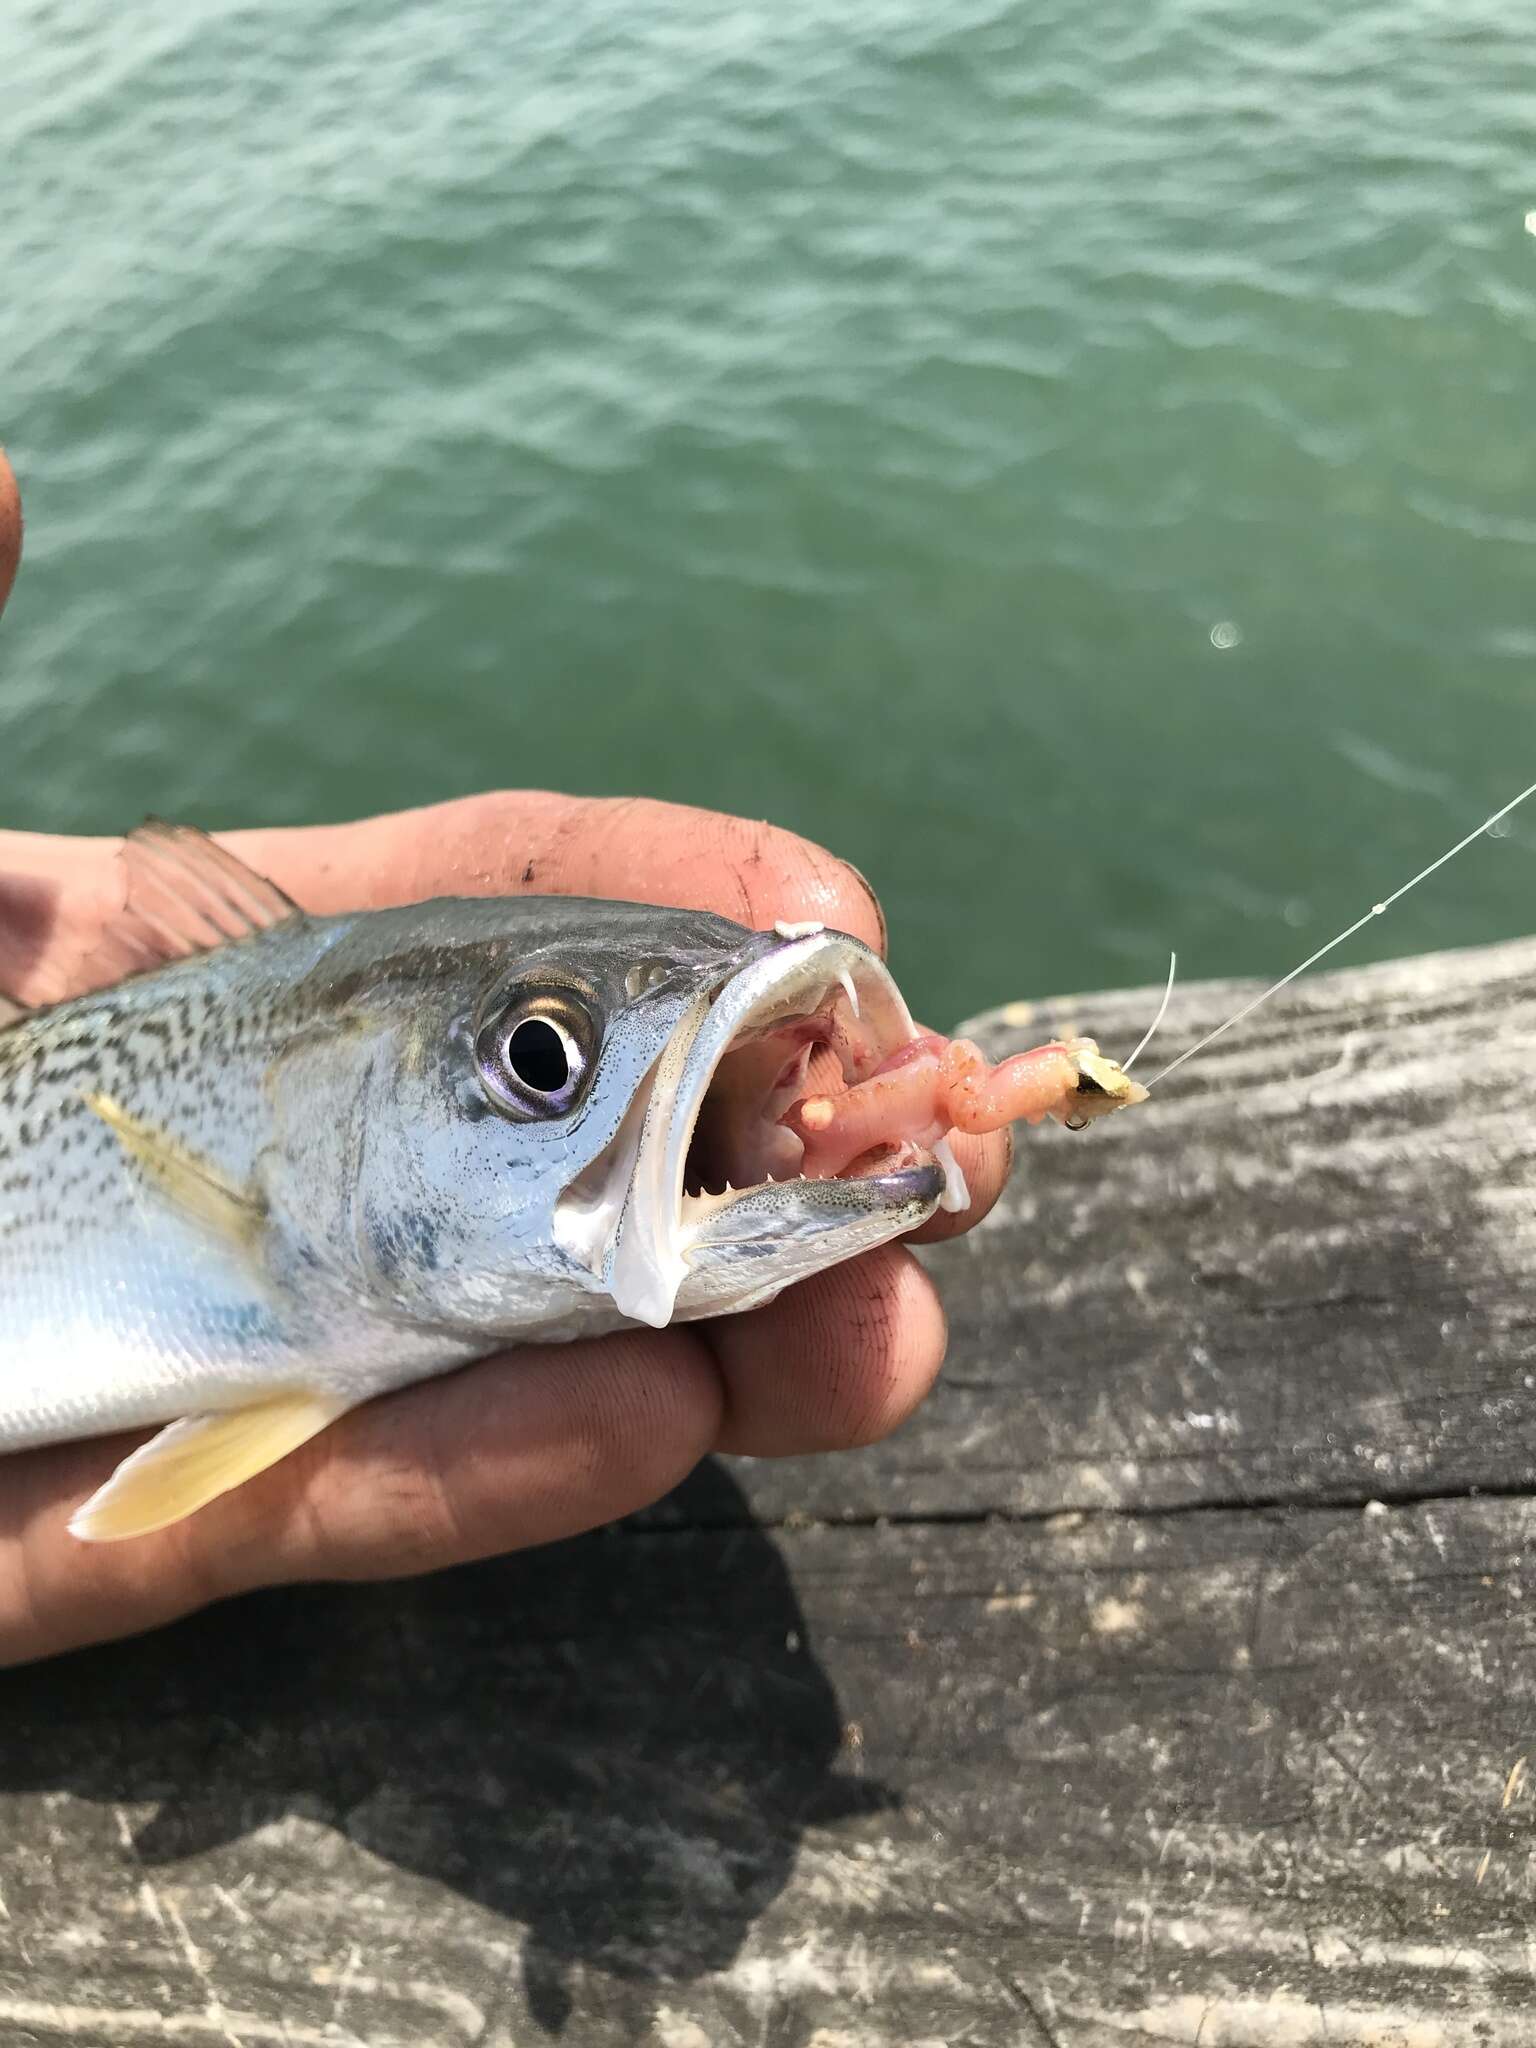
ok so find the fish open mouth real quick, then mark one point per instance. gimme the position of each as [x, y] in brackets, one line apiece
[806, 1014]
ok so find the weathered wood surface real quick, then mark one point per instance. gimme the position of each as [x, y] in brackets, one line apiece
[1169, 1678]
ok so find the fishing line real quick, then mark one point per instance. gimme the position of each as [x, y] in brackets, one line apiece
[1376, 910]
[1162, 1008]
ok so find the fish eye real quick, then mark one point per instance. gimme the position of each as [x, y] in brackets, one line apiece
[541, 1055]
[535, 1051]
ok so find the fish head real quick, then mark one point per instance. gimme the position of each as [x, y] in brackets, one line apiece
[570, 1115]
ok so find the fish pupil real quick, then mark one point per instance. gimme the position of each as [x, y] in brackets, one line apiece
[537, 1055]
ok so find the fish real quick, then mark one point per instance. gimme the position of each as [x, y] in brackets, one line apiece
[279, 1164]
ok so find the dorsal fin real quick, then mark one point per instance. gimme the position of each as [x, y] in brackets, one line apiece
[182, 894]
[195, 894]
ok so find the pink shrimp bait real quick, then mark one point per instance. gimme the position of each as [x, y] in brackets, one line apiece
[932, 1086]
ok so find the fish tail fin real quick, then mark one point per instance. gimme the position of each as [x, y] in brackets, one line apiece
[193, 1461]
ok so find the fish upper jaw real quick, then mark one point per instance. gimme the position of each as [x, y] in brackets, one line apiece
[733, 1064]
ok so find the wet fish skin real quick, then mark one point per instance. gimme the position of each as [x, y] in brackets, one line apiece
[323, 1066]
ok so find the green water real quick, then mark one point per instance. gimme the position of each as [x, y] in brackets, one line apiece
[870, 415]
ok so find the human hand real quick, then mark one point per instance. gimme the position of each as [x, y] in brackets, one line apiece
[539, 1442]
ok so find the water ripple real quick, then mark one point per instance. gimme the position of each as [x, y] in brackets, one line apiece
[859, 415]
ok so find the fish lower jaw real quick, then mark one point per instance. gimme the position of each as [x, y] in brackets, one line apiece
[892, 1162]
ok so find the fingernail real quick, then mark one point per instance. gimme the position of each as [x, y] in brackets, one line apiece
[874, 903]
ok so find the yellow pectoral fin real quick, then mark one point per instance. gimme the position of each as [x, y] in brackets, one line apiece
[193, 1461]
[193, 1187]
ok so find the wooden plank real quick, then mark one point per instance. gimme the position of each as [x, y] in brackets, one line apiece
[1231, 1776]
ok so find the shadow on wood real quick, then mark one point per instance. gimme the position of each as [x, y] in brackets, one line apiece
[615, 1743]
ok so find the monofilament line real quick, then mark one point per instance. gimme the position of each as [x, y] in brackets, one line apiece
[1312, 959]
[1146, 1037]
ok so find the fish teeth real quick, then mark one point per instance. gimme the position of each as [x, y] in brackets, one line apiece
[849, 990]
[957, 1193]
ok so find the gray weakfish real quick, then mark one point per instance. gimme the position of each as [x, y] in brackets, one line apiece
[284, 1163]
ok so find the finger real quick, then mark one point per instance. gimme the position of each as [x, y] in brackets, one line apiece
[10, 528]
[534, 842]
[517, 1450]
[56, 894]
[524, 1448]
[57, 1593]
[839, 1360]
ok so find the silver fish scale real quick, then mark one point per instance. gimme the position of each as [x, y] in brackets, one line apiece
[117, 1310]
